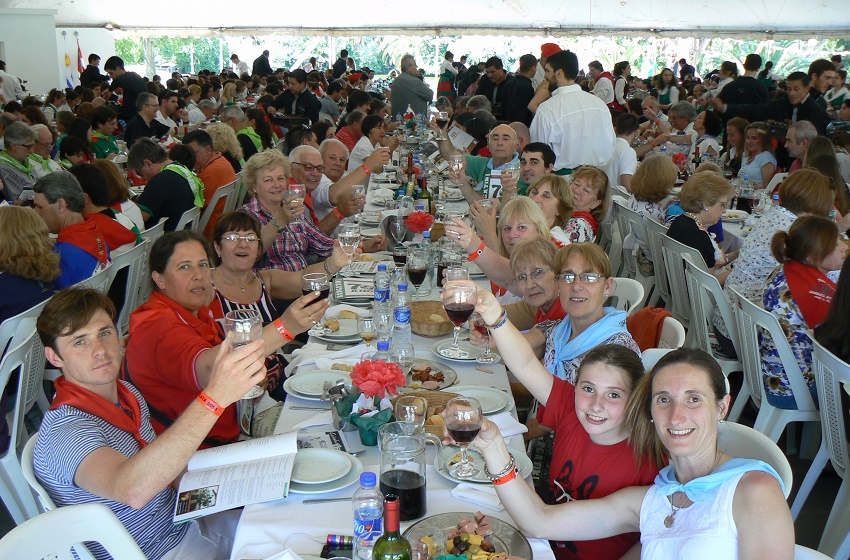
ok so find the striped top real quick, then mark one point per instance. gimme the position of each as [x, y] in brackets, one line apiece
[67, 436]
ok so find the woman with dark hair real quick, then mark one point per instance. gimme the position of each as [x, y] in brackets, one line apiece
[374, 130]
[735, 140]
[120, 196]
[81, 128]
[258, 130]
[728, 72]
[758, 162]
[32, 115]
[472, 75]
[668, 88]
[323, 130]
[446, 83]
[622, 72]
[708, 127]
[74, 151]
[54, 100]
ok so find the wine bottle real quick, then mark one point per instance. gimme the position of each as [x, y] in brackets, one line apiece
[391, 545]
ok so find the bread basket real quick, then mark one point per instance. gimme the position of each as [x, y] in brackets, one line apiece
[421, 312]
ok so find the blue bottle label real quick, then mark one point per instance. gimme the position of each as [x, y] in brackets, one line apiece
[402, 315]
[382, 295]
[362, 526]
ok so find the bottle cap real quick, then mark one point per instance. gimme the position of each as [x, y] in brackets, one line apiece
[383, 345]
[368, 479]
[402, 287]
[426, 234]
[382, 266]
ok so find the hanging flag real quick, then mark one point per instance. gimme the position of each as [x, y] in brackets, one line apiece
[69, 80]
[80, 64]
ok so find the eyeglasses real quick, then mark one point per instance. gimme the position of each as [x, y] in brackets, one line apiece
[585, 277]
[27, 146]
[535, 275]
[151, 104]
[309, 167]
[234, 238]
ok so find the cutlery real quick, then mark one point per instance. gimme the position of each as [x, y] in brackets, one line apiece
[307, 408]
[327, 500]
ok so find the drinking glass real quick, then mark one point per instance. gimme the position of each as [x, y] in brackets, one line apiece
[402, 354]
[367, 328]
[349, 239]
[409, 408]
[358, 190]
[241, 327]
[417, 266]
[442, 121]
[398, 230]
[456, 162]
[459, 300]
[383, 319]
[456, 272]
[296, 192]
[316, 282]
[488, 357]
[463, 422]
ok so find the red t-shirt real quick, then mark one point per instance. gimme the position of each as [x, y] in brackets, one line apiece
[587, 470]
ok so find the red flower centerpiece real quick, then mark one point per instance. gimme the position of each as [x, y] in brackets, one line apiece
[376, 378]
[418, 221]
[681, 160]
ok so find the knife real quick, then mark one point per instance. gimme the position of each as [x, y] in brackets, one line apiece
[327, 500]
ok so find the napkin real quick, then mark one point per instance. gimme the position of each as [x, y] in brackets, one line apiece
[483, 495]
[287, 554]
[380, 193]
[320, 419]
[322, 359]
[507, 424]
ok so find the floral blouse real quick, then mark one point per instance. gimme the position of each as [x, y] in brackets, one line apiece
[579, 230]
[779, 301]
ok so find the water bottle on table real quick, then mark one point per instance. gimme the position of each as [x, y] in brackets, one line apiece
[368, 506]
[401, 316]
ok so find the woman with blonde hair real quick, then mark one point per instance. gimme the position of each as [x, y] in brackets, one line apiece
[589, 185]
[758, 161]
[225, 141]
[554, 196]
[228, 94]
[651, 184]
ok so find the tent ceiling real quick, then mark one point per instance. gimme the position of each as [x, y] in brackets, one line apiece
[753, 18]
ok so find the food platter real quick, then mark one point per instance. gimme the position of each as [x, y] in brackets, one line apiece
[505, 538]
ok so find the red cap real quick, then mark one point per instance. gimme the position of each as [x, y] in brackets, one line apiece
[548, 49]
[355, 77]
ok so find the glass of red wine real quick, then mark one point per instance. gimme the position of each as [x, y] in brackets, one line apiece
[459, 300]
[463, 422]
[417, 266]
[488, 357]
[317, 282]
[442, 121]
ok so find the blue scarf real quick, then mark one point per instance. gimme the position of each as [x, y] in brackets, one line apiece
[612, 323]
[704, 487]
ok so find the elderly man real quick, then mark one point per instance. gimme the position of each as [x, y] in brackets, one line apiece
[234, 117]
[603, 82]
[479, 103]
[409, 89]
[213, 169]
[797, 141]
[97, 443]
[680, 121]
[81, 246]
[104, 122]
[351, 133]
[130, 83]
[144, 124]
[202, 112]
[483, 177]
[17, 173]
[171, 190]
[496, 85]
[574, 123]
[334, 190]
[335, 156]
[40, 157]
[523, 135]
[298, 100]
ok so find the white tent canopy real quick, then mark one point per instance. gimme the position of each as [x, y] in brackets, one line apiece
[753, 18]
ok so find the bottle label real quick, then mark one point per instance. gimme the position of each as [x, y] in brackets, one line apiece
[363, 526]
[382, 295]
[401, 315]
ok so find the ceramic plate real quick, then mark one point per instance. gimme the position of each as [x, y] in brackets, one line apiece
[347, 331]
[449, 375]
[350, 478]
[441, 345]
[319, 466]
[733, 216]
[474, 271]
[505, 538]
[492, 400]
[287, 385]
[523, 463]
[370, 218]
[312, 383]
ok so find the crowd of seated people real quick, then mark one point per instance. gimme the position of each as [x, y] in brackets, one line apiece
[553, 143]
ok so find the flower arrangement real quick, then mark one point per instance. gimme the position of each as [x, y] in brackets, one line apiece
[681, 160]
[418, 221]
[376, 378]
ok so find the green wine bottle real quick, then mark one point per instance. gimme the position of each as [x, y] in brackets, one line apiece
[391, 545]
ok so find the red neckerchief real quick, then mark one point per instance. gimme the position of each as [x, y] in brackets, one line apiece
[497, 290]
[88, 237]
[589, 217]
[558, 244]
[127, 418]
[556, 312]
[811, 289]
[308, 202]
[160, 305]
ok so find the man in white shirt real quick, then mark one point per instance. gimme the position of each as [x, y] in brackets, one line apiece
[202, 112]
[680, 121]
[603, 84]
[623, 163]
[10, 86]
[167, 113]
[239, 66]
[574, 123]
[40, 157]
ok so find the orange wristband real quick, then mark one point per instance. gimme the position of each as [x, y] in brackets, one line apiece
[210, 404]
[507, 478]
[365, 169]
[338, 214]
[475, 254]
[278, 324]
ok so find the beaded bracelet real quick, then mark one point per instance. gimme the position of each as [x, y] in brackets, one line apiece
[278, 324]
[477, 253]
[210, 404]
[503, 318]
[365, 169]
[505, 472]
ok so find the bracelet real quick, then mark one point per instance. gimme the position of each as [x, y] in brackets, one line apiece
[503, 318]
[328, 270]
[278, 324]
[338, 214]
[365, 169]
[477, 253]
[498, 478]
[652, 142]
[276, 225]
[210, 404]
[507, 478]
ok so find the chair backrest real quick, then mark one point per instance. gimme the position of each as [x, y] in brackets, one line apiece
[99, 281]
[153, 233]
[44, 499]
[189, 219]
[136, 261]
[803, 553]
[53, 534]
[654, 231]
[830, 373]
[676, 254]
[672, 334]
[774, 182]
[10, 325]
[620, 189]
[706, 295]
[241, 193]
[751, 320]
[650, 356]
[629, 294]
[742, 441]
[228, 192]
[27, 353]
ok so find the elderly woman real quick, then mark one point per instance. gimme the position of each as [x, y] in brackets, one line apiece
[225, 141]
[678, 407]
[652, 183]
[758, 161]
[238, 246]
[589, 185]
[532, 265]
[555, 197]
[174, 337]
[798, 293]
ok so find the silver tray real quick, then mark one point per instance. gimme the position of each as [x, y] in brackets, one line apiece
[506, 538]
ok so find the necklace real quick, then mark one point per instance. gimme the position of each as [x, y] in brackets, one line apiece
[674, 509]
[694, 218]
[244, 286]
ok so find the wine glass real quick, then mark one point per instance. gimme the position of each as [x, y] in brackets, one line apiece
[367, 329]
[241, 327]
[442, 121]
[358, 190]
[349, 239]
[383, 319]
[488, 357]
[463, 421]
[456, 162]
[398, 230]
[410, 408]
[316, 282]
[402, 354]
[297, 192]
[417, 266]
[459, 300]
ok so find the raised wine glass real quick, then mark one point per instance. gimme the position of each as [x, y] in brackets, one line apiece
[488, 357]
[459, 300]
[241, 327]
[316, 282]
[296, 192]
[417, 266]
[367, 329]
[463, 421]
[349, 238]
[456, 162]
[359, 190]
[442, 121]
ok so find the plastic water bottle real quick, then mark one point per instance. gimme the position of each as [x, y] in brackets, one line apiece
[401, 316]
[747, 191]
[383, 352]
[368, 504]
[382, 284]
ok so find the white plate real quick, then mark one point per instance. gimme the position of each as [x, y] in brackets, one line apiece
[492, 400]
[441, 345]
[312, 383]
[287, 385]
[347, 330]
[734, 216]
[319, 466]
[347, 480]
[523, 463]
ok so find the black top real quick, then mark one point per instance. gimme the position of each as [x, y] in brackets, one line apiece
[685, 230]
[167, 195]
[138, 128]
[234, 163]
[517, 97]
[339, 67]
[781, 110]
[488, 88]
[306, 105]
[248, 147]
[90, 75]
[261, 66]
[744, 89]
[133, 85]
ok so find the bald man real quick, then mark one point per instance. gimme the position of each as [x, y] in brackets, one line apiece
[478, 177]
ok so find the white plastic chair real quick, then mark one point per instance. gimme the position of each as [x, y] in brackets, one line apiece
[44, 500]
[771, 421]
[654, 232]
[629, 294]
[135, 261]
[632, 226]
[53, 534]
[99, 281]
[153, 233]
[615, 249]
[672, 337]
[676, 254]
[774, 182]
[803, 553]
[189, 219]
[228, 192]
[10, 325]
[737, 440]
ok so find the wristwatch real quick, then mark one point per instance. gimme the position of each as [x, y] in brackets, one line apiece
[276, 225]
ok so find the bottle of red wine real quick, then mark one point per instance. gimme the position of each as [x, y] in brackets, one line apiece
[391, 545]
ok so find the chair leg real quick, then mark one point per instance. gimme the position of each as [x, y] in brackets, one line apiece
[770, 422]
[810, 443]
[791, 440]
[16, 494]
[838, 525]
[740, 402]
[809, 481]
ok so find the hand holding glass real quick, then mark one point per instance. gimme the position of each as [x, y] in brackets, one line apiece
[463, 422]
[296, 193]
[241, 327]
[488, 357]
[459, 299]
